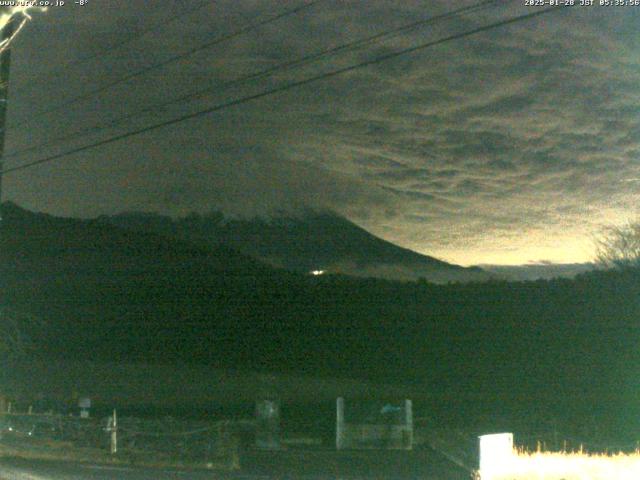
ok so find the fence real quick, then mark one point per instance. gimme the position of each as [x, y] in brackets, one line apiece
[386, 426]
[166, 441]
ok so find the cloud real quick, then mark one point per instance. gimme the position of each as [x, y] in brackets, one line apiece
[508, 146]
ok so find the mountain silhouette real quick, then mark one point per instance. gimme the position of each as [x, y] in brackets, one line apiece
[312, 242]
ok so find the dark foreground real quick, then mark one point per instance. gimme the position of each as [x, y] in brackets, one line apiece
[423, 464]
[303, 464]
[21, 469]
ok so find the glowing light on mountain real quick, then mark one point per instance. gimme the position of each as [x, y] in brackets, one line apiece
[8, 13]
[316, 272]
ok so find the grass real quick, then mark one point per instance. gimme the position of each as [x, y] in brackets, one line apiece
[67, 452]
[522, 465]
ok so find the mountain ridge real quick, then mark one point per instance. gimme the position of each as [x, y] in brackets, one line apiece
[315, 241]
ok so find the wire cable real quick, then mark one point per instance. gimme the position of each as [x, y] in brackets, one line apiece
[164, 63]
[117, 45]
[279, 89]
[253, 76]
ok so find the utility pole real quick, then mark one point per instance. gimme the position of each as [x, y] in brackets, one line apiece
[5, 63]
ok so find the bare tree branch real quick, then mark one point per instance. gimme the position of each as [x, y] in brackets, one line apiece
[619, 246]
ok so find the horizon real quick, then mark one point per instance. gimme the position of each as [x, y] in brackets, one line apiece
[302, 215]
[494, 148]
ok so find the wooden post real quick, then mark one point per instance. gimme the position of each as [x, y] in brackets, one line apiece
[114, 433]
[340, 423]
[408, 420]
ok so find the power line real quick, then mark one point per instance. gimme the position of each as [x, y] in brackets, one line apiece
[117, 45]
[173, 59]
[279, 89]
[282, 66]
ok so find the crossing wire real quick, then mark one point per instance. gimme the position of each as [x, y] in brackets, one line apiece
[164, 63]
[305, 60]
[115, 46]
[282, 88]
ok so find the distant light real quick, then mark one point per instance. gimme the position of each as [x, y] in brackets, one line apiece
[496, 451]
[316, 272]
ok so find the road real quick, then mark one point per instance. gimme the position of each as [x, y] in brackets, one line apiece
[292, 465]
[20, 469]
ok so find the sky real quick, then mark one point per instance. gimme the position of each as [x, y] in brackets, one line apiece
[511, 146]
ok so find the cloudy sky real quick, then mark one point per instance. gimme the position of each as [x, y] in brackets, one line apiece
[514, 145]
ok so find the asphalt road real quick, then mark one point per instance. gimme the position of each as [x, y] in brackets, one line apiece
[292, 465]
[20, 469]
